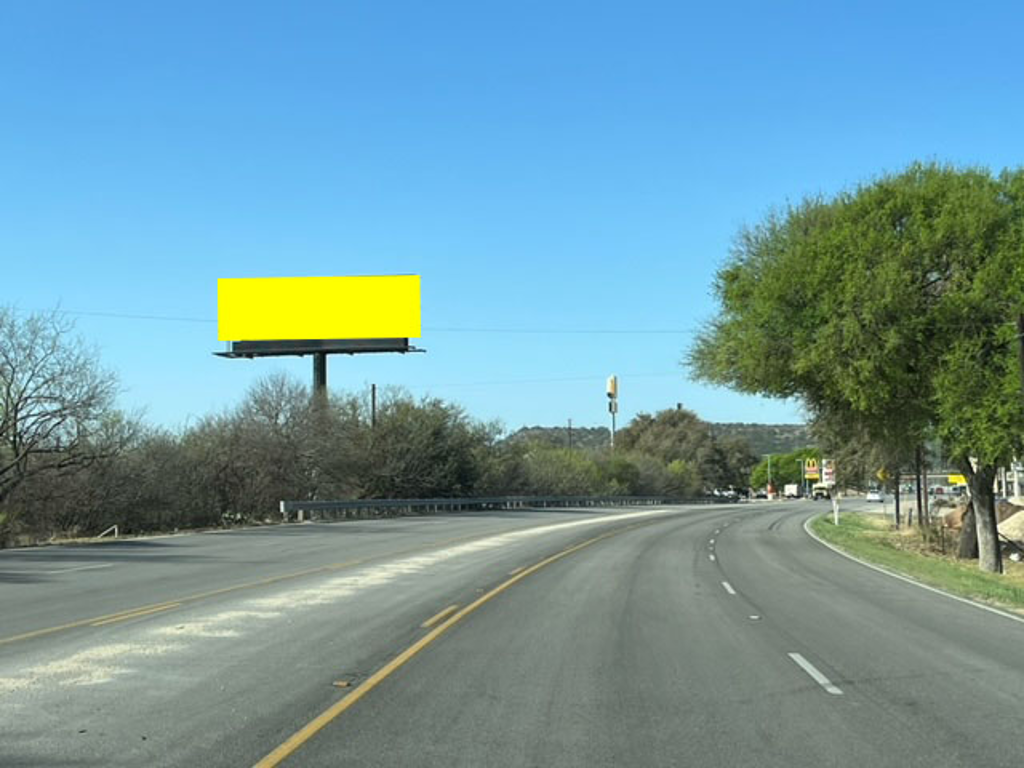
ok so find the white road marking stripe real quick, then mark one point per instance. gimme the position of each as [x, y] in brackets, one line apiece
[728, 588]
[819, 678]
[717, 531]
[80, 568]
[711, 542]
[711, 558]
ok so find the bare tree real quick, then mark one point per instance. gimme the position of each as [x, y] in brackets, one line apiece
[56, 403]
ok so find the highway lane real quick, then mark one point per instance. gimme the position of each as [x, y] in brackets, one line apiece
[702, 636]
[643, 650]
[66, 584]
[219, 681]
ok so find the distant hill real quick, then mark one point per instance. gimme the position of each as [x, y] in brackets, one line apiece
[762, 438]
[767, 438]
[582, 437]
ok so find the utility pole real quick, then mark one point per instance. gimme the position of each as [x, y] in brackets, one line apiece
[918, 469]
[373, 406]
[896, 498]
[770, 488]
[570, 434]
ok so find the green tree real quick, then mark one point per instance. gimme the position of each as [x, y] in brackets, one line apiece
[561, 472]
[890, 300]
[786, 468]
[679, 434]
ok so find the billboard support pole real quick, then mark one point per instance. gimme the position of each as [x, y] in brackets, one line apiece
[320, 374]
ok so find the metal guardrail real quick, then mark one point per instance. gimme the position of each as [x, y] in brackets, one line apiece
[368, 508]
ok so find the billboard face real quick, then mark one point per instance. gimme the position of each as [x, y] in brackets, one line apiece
[281, 308]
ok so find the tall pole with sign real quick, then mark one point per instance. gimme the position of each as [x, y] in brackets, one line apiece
[612, 390]
[828, 477]
[811, 474]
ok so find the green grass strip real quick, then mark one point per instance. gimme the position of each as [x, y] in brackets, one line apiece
[873, 539]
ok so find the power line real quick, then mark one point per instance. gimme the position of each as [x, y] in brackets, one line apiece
[429, 329]
[117, 315]
[589, 331]
[551, 380]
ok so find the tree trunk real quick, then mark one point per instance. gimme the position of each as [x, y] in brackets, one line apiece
[980, 482]
[968, 547]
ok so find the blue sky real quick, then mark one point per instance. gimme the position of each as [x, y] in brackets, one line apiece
[563, 168]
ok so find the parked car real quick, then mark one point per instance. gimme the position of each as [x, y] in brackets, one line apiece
[874, 496]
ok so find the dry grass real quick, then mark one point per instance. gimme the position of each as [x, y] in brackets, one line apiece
[927, 555]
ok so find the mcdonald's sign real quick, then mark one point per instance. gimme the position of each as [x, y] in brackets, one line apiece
[811, 470]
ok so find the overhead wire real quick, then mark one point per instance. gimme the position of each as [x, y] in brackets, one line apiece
[428, 329]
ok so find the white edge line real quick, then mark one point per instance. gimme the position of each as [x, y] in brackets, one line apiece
[812, 670]
[908, 579]
[728, 588]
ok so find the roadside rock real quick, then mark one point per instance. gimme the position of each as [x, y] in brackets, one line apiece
[1005, 510]
[1013, 526]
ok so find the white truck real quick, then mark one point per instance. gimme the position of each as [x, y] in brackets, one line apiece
[791, 490]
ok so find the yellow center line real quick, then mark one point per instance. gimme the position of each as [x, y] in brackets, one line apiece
[304, 734]
[135, 614]
[95, 621]
[438, 616]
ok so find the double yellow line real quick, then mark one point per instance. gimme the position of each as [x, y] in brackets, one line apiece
[145, 610]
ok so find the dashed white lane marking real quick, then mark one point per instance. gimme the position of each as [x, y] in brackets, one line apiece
[711, 542]
[711, 558]
[79, 568]
[819, 678]
[728, 588]
[717, 531]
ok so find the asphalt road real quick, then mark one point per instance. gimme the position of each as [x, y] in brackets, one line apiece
[703, 636]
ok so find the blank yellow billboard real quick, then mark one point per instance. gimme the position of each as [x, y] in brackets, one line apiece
[278, 308]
